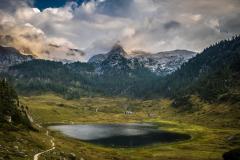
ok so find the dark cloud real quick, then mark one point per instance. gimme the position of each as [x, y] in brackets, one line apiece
[172, 25]
[80, 52]
[73, 52]
[230, 24]
[70, 51]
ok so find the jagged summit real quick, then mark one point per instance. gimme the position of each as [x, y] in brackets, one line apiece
[117, 49]
[161, 63]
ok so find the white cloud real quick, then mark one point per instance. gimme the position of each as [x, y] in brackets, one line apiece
[149, 25]
[19, 30]
[25, 14]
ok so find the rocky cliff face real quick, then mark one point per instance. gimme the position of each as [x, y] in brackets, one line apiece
[114, 61]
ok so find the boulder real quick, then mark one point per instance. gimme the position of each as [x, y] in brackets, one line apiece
[72, 156]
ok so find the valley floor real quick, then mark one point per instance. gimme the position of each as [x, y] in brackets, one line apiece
[214, 129]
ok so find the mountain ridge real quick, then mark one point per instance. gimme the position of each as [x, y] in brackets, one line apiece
[161, 63]
[202, 75]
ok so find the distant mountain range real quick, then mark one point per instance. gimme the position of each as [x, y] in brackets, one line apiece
[117, 59]
[162, 63]
[212, 74]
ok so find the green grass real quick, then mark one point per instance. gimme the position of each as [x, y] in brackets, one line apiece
[210, 125]
[53, 109]
[18, 143]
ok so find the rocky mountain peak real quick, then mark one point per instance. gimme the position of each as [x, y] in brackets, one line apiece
[162, 63]
[118, 49]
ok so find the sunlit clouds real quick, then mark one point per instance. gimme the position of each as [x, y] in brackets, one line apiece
[78, 31]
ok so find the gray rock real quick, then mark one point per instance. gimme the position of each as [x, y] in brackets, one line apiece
[72, 156]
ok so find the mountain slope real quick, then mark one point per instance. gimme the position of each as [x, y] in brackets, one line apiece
[115, 50]
[162, 63]
[116, 62]
[97, 59]
[116, 75]
[39, 76]
[10, 56]
[214, 74]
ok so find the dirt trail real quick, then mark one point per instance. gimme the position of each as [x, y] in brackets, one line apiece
[36, 156]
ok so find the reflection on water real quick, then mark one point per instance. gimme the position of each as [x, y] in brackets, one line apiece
[120, 135]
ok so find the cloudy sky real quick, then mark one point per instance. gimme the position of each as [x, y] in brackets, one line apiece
[78, 29]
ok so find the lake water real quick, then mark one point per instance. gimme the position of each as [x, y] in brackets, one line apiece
[120, 135]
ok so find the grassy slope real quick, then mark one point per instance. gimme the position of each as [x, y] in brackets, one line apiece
[209, 131]
[21, 144]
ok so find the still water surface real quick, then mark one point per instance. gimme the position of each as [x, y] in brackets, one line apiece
[120, 135]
